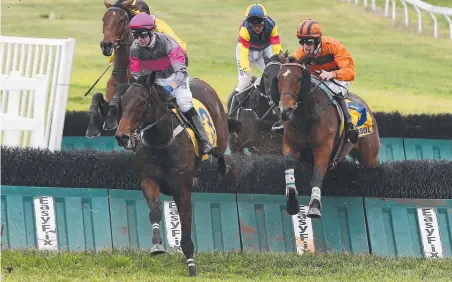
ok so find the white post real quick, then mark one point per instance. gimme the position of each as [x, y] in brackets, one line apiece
[405, 8]
[450, 25]
[393, 10]
[435, 25]
[386, 8]
[419, 18]
[59, 112]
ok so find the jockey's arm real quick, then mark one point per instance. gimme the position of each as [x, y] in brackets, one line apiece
[135, 66]
[275, 41]
[244, 38]
[177, 58]
[344, 61]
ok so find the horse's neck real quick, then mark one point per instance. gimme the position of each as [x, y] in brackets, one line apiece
[163, 130]
[311, 108]
[121, 61]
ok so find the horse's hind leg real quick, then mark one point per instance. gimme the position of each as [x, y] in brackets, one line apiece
[151, 192]
[96, 113]
[183, 202]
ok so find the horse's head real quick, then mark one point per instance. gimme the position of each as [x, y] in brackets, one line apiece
[115, 26]
[272, 67]
[139, 108]
[293, 83]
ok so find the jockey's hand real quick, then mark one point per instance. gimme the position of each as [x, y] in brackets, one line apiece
[326, 75]
[168, 88]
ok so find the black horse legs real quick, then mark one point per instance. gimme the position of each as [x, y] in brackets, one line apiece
[97, 111]
[152, 194]
[183, 202]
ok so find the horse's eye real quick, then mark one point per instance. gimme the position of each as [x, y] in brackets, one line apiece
[142, 102]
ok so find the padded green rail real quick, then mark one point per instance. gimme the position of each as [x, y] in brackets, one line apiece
[409, 227]
[80, 216]
[265, 224]
[215, 226]
[78, 219]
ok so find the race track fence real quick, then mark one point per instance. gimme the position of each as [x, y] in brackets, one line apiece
[74, 219]
[418, 6]
[49, 60]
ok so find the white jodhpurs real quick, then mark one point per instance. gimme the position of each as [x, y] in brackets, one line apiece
[255, 58]
[338, 90]
[182, 93]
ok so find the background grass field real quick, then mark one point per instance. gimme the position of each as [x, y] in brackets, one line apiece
[234, 266]
[398, 69]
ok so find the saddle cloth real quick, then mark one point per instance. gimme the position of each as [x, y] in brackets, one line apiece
[360, 118]
[209, 127]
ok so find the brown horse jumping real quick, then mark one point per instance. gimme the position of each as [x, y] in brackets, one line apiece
[166, 157]
[314, 131]
[117, 39]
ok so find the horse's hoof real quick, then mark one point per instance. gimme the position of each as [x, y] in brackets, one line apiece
[314, 210]
[92, 132]
[192, 271]
[157, 249]
[110, 124]
[292, 207]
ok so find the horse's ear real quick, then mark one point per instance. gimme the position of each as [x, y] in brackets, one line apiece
[107, 3]
[282, 57]
[287, 53]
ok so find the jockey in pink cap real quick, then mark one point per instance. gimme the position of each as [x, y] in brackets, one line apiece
[154, 51]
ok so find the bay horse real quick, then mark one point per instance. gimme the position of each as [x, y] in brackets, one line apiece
[257, 114]
[314, 130]
[117, 39]
[166, 157]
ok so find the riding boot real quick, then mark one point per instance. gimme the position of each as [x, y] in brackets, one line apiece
[195, 119]
[353, 133]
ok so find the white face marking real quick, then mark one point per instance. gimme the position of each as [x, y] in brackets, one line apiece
[114, 13]
[286, 73]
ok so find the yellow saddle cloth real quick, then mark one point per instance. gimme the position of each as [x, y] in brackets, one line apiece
[360, 118]
[209, 127]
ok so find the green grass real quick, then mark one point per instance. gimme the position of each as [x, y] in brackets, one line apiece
[397, 69]
[140, 266]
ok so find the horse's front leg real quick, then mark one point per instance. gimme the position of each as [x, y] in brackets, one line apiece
[322, 155]
[184, 206]
[151, 192]
[96, 113]
[291, 157]
[113, 96]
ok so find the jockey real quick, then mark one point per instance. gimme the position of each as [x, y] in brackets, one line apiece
[154, 51]
[160, 25]
[332, 59]
[258, 37]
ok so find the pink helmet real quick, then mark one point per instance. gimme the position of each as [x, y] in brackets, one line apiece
[142, 21]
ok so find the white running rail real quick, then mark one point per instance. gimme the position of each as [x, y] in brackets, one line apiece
[45, 59]
[418, 5]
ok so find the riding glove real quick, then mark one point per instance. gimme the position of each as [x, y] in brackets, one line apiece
[168, 88]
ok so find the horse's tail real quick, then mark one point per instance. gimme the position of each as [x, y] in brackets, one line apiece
[234, 125]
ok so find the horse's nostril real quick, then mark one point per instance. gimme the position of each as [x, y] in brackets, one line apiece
[122, 139]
